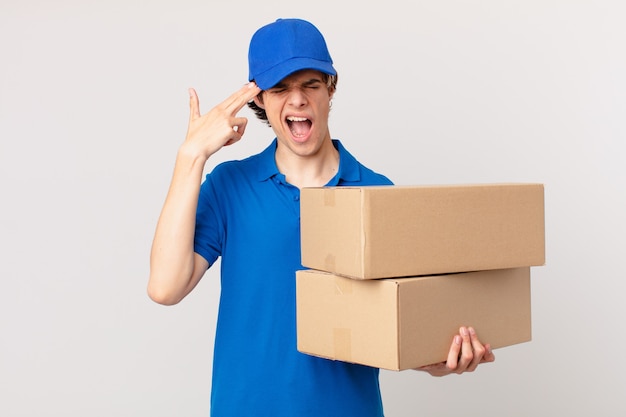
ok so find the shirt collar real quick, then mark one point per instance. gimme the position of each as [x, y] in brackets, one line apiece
[267, 163]
[348, 165]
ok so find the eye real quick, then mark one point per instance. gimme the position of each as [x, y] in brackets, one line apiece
[313, 85]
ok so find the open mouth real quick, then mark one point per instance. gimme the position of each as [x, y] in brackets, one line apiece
[299, 126]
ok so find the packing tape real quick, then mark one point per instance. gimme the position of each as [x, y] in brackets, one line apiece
[343, 344]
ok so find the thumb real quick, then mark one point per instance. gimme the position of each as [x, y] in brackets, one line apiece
[194, 104]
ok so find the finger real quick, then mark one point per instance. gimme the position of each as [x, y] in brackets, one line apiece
[489, 355]
[234, 139]
[194, 104]
[239, 127]
[240, 98]
[477, 348]
[467, 352]
[436, 369]
[239, 124]
[453, 354]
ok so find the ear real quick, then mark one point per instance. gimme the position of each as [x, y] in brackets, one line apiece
[258, 100]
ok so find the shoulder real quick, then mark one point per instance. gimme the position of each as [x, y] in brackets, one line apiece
[353, 172]
[371, 177]
[257, 167]
[228, 172]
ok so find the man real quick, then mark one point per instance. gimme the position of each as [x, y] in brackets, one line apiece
[247, 213]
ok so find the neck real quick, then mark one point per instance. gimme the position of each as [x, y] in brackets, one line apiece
[310, 170]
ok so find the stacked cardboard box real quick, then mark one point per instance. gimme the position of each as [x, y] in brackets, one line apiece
[394, 271]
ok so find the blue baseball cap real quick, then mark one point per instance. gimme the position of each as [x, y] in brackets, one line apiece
[284, 47]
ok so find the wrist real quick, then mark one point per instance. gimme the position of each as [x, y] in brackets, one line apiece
[192, 154]
[190, 160]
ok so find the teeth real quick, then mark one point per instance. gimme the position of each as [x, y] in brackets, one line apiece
[296, 119]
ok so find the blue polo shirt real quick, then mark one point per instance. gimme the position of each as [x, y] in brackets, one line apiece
[250, 217]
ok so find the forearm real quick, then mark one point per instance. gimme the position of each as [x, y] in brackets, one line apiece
[174, 268]
[172, 255]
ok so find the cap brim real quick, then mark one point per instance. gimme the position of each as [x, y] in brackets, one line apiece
[274, 75]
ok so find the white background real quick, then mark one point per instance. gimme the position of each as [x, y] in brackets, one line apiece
[93, 106]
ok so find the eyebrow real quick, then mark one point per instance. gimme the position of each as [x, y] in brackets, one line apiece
[304, 83]
[312, 81]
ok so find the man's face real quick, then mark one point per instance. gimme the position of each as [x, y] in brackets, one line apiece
[297, 109]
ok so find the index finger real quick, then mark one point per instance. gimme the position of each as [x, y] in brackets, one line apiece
[453, 354]
[241, 97]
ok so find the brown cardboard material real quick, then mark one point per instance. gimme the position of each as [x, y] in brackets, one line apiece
[406, 323]
[395, 231]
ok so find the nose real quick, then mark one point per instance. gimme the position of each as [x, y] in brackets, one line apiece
[297, 97]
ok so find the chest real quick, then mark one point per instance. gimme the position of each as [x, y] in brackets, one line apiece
[267, 219]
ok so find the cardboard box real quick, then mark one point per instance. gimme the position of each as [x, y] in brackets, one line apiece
[396, 231]
[406, 323]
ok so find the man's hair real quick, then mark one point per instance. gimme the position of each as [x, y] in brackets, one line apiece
[331, 83]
